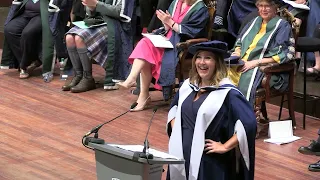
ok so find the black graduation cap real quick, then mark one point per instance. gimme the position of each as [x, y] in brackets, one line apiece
[234, 61]
[217, 47]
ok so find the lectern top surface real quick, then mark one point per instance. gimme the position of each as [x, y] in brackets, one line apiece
[131, 155]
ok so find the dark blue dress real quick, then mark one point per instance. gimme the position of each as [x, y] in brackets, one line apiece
[218, 166]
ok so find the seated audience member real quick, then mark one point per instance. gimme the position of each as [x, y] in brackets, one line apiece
[109, 43]
[266, 39]
[312, 149]
[149, 20]
[210, 120]
[239, 9]
[26, 30]
[188, 21]
[316, 68]
[300, 16]
[313, 22]
[222, 9]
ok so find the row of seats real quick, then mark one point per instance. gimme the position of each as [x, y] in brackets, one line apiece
[62, 9]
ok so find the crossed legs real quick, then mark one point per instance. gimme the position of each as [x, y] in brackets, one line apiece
[142, 68]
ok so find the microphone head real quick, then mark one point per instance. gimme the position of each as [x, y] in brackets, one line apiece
[133, 105]
[155, 109]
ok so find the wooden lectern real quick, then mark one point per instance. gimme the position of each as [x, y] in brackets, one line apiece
[114, 163]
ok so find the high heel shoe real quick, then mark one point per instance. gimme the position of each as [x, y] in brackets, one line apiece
[124, 86]
[143, 106]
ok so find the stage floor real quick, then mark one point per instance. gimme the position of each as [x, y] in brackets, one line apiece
[41, 129]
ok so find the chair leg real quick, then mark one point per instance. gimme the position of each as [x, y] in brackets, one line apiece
[291, 108]
[259, 126]
[136, 91]
[304, 89]
[257, 109]
[264, 111]
[281, 105]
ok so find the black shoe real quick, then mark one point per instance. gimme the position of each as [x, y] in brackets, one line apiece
[34, 65]
[167, 92]
[312, 149]
[315, 167]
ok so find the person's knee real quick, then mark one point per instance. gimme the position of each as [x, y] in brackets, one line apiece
[79, 41]
[6, 30]
[30, 34]
[70, 40]
[9, 29]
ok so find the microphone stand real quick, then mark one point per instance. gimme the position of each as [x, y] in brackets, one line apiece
[95, 138]
[145, 152]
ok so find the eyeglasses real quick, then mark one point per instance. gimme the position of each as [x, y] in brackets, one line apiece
[264, 6]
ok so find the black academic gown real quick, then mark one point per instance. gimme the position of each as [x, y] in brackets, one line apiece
[219, 166]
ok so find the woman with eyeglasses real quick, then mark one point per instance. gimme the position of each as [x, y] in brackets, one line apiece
[266, 39]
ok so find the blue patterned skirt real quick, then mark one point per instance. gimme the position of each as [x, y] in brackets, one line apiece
[96, 40]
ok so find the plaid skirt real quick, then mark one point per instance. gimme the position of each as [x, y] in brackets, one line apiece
[96, 40]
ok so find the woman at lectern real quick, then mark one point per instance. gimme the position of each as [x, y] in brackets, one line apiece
[211, 125]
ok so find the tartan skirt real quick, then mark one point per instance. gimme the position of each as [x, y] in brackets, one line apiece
[96, 40]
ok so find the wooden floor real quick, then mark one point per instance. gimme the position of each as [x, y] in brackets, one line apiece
[41, 129]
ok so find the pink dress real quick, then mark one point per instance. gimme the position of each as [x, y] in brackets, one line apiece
[147, 51]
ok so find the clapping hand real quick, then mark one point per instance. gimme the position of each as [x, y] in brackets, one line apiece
[91, 4]
[164, 17]
[214, 147]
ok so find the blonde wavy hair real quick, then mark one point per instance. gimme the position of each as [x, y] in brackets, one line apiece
[219, 73]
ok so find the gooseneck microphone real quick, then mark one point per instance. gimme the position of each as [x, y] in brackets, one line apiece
[96, 139]
[145, 153]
